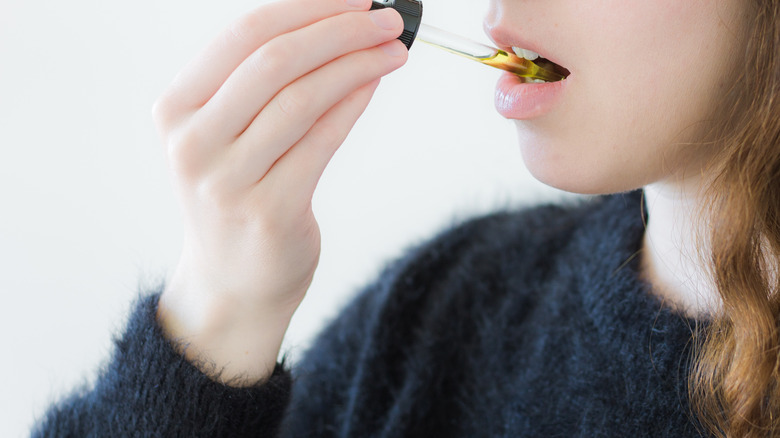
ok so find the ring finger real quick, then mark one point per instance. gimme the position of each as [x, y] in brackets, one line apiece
[293, 111]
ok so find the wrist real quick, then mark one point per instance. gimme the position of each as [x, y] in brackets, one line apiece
[232, 342]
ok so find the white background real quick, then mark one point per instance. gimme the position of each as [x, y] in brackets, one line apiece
[88, 215]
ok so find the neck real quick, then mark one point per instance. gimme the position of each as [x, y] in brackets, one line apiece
[671, 260]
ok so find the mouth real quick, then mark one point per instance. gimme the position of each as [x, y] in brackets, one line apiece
[540, 61]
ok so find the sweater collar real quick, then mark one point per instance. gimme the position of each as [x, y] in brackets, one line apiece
[613, 293]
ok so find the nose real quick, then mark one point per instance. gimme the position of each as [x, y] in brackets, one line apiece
[492, 16]
[495, 23]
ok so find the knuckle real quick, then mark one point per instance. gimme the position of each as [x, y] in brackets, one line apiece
[161, 110]
[267, 60]
[212, 191]
[168, 110]
[182, 150]
[158, 107]
[243, 28]
[291, 103]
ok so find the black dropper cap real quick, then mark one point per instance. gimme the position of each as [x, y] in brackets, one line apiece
[411, 12]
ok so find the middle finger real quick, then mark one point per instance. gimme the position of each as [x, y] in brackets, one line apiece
[286, 58]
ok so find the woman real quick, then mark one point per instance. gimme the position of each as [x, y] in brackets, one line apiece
[573, 320]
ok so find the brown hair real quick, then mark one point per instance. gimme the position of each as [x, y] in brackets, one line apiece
[734, 383]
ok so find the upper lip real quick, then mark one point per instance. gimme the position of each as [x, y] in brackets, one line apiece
[505, 38]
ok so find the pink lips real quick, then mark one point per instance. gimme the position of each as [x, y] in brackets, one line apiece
[522, 101]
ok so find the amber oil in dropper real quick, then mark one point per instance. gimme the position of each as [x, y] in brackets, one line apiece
[486, 55]
[411, 13]
[520, 66]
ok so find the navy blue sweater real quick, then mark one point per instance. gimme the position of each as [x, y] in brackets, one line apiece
[531, 323]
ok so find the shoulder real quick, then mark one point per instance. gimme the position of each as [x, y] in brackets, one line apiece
[482, 258]
[505, 250]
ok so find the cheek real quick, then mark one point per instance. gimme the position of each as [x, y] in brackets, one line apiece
[649, 64]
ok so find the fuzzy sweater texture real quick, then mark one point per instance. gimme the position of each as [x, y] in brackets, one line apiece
[528, 323]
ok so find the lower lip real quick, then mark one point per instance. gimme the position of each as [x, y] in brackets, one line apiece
[522, 101]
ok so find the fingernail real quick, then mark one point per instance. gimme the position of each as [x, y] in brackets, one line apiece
[393, 48]
[385, 18]
[357, 3]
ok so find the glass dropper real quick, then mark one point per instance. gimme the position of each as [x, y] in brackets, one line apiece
[485, 54]
[411, 12]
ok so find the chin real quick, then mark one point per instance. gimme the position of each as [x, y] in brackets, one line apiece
[580, 178]
[579, 168]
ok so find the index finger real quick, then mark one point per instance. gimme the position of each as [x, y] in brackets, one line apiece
[200, 79]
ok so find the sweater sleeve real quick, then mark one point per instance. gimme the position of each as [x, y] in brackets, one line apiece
[348, 382]
[342, 386]
[148, 389]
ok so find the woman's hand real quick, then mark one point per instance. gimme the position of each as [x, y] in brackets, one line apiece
[249, 126]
